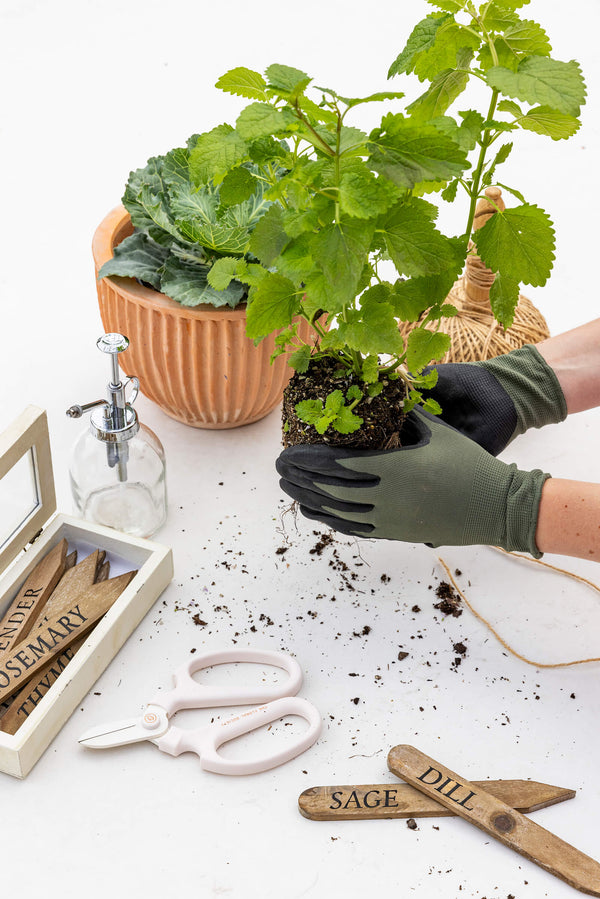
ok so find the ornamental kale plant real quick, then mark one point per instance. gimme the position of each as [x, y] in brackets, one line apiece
[182, 228]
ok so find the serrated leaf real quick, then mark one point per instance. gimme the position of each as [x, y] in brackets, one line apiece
[346, 421]
[500, 157]
[299, 360]
[414, 244]
[409, 153]
[224, 270]
[442, 93]
[542, 80]
[370, 372]
[449, 192]
[528, 38]
[309, 411]
[215, 153]
[334, 401]
[237, 186]
[340, 251]
[513, 191]
[470, 129]
[363, 195]
[267, 149]
[452, 6]
[260, 120]
[372, 330]
[372, 98]
[510, 107]
[136, 257]
[274, 302]
[544, 120]
[188, 285]
[244, 83]
[432, 406]
[504, 296]
[421, 38]
[286, 78]
[518, 242]
[443, 54]
[269, 238]
[425, 346]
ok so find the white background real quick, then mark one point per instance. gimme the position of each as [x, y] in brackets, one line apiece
[90, 90]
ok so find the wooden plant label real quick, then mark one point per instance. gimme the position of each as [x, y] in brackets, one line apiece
[369, 801]
[24, 702]
[53, 638]
[496, 818]
[33, 595]
[75, 582]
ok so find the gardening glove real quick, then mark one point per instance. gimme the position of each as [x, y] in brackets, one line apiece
[439, 488]
[494, 401]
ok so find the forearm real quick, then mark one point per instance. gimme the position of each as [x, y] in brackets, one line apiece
[575, 359]
[569, 519]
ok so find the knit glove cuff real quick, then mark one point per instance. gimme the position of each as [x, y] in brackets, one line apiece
[532, 386]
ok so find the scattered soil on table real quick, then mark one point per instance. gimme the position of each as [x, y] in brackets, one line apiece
[449, 602]
[382, 415]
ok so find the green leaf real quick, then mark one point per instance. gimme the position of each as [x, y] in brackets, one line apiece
[425, 346]
[215, 153]
[237, 186]
[539, 79]
[372, 330]
[269, 238]
[260, 120]
[340, 251]
[544, 120]
[449, 192]
[296, 260]
[518, 242]
[136, 257]
[414, 244]
[224, 270]
[504, 296]
[500, 157]
[370, 372]
[354, 393]
[409, 153]
[334, 401]
[470, 130]
[363, 195]
[372, 98]
[272, 305]
[244, 83]
[443, 54]
[188, 285]
[309, 411]
[441, 94]
[346, 422]
[510, 107]
[421, 38]
[286, 78]
[527, 38]
[299, 360]
[267, 149]
[432, 406]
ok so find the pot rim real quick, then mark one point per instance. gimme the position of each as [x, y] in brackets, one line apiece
[102, 249]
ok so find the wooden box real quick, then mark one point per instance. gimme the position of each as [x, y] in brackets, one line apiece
[27, 516]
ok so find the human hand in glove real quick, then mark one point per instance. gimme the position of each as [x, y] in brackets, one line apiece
[439, 488]
[494, 401]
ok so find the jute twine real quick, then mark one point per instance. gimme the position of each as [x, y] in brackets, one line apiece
[474, 332]
[500, 639]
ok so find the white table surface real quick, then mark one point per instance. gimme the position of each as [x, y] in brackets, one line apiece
[91, 90]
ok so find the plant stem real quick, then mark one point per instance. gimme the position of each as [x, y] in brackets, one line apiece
[485, 143]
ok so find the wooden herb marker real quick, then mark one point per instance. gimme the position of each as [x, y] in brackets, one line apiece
[70, 621]
[496, 818]
[74, 583]
[71, 560]
[369, 801]
[33, 595]
[24, 702]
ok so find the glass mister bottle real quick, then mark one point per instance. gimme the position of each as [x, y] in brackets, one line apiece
[117, 469]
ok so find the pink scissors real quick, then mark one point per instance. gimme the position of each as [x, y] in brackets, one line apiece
[275, 702]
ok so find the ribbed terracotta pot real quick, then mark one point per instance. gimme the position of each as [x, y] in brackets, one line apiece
[196, 363]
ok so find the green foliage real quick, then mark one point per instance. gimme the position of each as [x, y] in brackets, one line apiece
[300, 210]
[184, 226]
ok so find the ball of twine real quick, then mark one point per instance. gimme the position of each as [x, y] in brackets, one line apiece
[474, 332]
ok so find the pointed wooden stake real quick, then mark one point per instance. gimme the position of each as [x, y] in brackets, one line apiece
[33, 595]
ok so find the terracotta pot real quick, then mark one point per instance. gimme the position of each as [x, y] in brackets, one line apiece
[196, 363]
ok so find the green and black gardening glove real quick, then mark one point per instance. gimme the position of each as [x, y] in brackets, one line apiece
[439, 488]
[492, 402]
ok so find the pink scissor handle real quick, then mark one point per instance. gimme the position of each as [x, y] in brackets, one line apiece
[189, 694]
[207, 741]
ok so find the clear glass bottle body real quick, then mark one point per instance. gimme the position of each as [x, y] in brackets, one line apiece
[121, 485]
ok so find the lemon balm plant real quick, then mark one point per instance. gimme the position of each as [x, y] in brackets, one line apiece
[345, 201]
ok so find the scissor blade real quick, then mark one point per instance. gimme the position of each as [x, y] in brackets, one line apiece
[396, 800]
[120, 733]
